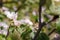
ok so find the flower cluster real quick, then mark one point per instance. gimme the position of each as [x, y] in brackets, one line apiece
[3, 28]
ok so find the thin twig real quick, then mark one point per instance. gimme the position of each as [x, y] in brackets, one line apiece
[1, 4]
[43, 24]
[42, 2]
[52, 32]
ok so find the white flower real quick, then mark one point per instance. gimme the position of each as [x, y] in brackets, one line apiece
[14, 7]
[4, 31]
[42, 20]
[34, 13]
[22, 21]
[43, 8]
[0, 31]
[26, 20]
[8, 14]
[11, 15]
[14, 15]
[16, 22]
[56, 35]
[4, 25]
[4, 8]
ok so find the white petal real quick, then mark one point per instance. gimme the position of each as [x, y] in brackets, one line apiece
[4, 25]
[43, 8]
[8, 14]
[34, 13]
[42, 20]
[14, 7]
[4, 32]
[14, 15]
[16, 22]
[26, 21]
[22, 21]
[11, 15]
[4, 8]
[0, 31]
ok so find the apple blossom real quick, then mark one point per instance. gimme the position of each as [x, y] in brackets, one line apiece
[4, 31]
[26, 20]
[4, 8]
[10, 15]
[34, 13]
[16, 22]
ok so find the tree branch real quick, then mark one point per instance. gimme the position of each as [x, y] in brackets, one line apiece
[52, 32]
[43, 24]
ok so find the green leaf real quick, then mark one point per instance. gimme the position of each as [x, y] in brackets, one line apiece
[58, 27]
[26, 34]
[42, 36]
[9, 38]
[48, 3]
[1, 37]
[15, 36]
[34, 18]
